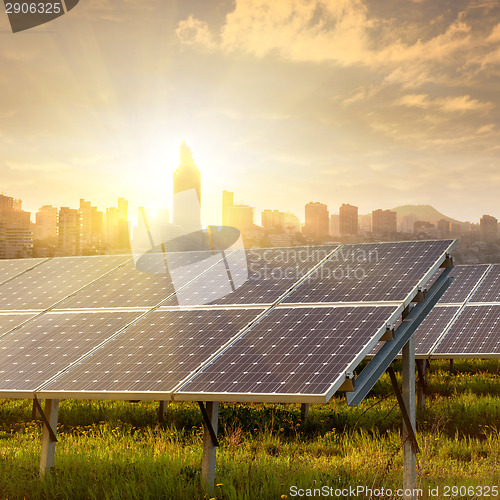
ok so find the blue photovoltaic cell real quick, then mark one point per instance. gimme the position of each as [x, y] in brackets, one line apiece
[54, 280]
[371, 272]
[48, 344]
[12, 267]
[475, 332]
[432, 328]
[293, 351]
[489, 289]
[156, 353]
[271, 272]
[8, 321]
[465, 278]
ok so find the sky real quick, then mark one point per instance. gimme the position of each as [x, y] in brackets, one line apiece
[377, 103]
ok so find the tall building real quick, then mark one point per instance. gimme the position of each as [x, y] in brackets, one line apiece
[227, 203]
[348, 220]
[238, 216]
[488, 229]
[335, 225]
[365, 224]
[11, 213]
[317, 220]
[46, 223]
[273, 220]
[187, 192]
[384, 222]
[91, 229]
[444, 228]
[68, 229]
[18, 242]
[291, 222]
[16, 234]
[117, 226]
[241, 217]
[408, 224]
[424, 228]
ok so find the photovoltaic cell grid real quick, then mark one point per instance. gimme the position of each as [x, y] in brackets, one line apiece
[371, 272]
[47, 345]
[432, 328]
[489, 289]
[271, 272]
[456, 326]
[475, 333]
[10, 321]
[292, 351]
[128, 286]
[465, 278]
[157, 353]
[54, 280]
[12, 267]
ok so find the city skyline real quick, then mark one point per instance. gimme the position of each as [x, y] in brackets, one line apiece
[343, 102]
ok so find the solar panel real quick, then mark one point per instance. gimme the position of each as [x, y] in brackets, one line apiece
[12, 267]
[57, 278]
[465, 279]
[271, 272]
[43, 347]
[489, 289]
[372, 272]
[9, 321]
[291, 352]
[129, 287]
[475, 333]
[156, 353]
[432, 328]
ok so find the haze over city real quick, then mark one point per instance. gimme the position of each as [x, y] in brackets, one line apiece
[377, 104]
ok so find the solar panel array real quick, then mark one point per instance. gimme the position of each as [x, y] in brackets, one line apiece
[466, 320]
[283, 327]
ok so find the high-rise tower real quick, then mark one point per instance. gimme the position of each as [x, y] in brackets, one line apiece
[187, 191]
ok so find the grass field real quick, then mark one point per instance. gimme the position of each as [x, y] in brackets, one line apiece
[118, 450]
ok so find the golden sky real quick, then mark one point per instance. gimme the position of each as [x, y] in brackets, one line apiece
[377, 103]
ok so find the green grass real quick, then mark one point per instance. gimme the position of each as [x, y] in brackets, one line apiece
[118, 450]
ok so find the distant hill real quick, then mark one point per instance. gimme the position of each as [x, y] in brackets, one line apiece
[422, 212]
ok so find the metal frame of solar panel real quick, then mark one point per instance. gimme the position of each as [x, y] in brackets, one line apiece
[393, 310]
[465, 280]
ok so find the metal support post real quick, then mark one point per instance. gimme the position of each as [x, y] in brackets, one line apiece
[210, 443]
[49, 438]
[304, 412]
[410, 446]
[162, 410]
[423, 375]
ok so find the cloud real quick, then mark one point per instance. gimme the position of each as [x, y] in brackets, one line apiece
[447, 104]
[439, 49]
[297, 30]
[193, 32]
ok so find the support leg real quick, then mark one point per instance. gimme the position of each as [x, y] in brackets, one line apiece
[304, 412]
[209, 446]
[34, 411]
[47, 458]
[423, 375]
[408, 393]
[452, 366]
[162, 410]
